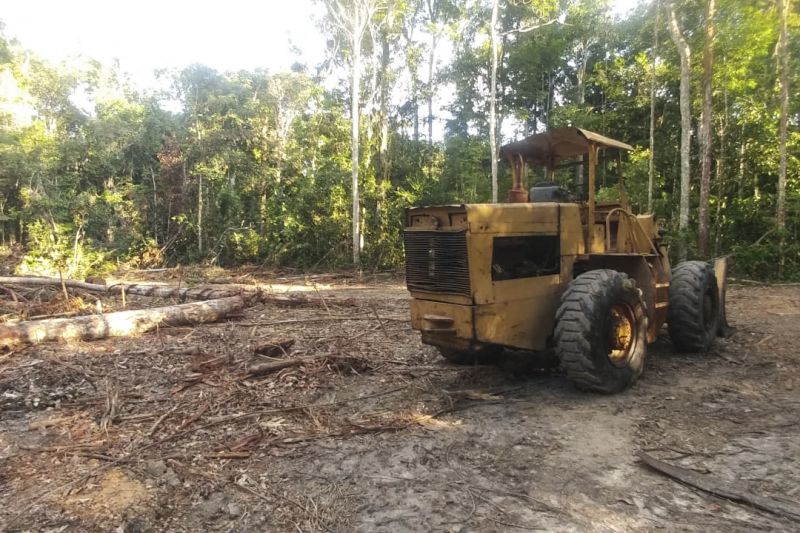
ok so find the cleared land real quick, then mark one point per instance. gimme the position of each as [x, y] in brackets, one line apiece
[372, 431]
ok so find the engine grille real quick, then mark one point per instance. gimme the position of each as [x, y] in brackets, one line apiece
[436, 261]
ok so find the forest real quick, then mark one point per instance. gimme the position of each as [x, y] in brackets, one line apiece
[312, 168]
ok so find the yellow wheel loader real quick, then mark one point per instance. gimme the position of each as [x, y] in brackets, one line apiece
[557, 267]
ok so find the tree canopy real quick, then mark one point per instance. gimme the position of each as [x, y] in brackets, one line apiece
[259, 167]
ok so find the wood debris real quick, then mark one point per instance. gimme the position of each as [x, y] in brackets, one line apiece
[723, 489]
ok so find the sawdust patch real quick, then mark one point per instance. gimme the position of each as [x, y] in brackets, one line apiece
[114, 494]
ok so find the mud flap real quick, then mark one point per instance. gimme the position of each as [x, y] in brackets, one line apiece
[721, 272]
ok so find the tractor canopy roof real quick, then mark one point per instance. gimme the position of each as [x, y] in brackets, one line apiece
[549, 148]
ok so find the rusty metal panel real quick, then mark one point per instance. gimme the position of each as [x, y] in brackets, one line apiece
[523, 314]
[513, 219]
[442, 319]
[550, 147]
[448, 217]
[480, 264]
[573, 241]
[598, 240]
[460, 299]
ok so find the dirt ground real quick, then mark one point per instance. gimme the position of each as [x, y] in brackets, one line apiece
[375, 432]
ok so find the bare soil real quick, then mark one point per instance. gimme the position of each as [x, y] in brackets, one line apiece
[376, 432]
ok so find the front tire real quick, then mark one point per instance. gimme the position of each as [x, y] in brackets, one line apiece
[601, 331]
[693, 316]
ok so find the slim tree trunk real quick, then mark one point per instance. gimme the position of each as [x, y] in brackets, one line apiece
[155, 206]
[581, 100]
[705, 130]
[200, 213]
[434, 32]
[354, 98]
[783, 78]
[740, 181]
[354, 19]
[651, 164]
[720, 176]
[492, 101]
[383, 144]
[415, 107]
[686, 124]
[431, 65]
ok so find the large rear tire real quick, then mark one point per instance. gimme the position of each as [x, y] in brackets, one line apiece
[693, 316]
[601, 331]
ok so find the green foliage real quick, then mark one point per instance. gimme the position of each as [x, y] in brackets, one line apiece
[60, 249]
[761, 261]
[257, 164]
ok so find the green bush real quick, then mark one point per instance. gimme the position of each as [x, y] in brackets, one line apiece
[60, 249]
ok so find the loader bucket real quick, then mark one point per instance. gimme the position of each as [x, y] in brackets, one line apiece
[721, 272]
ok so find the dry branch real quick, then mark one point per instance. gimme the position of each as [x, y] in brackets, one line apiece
[274, 348]
[273, 366]
[722, 488]
[119, 324]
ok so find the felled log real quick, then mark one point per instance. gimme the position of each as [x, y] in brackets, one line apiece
[723, 488]
[119, 324]
[181, 293]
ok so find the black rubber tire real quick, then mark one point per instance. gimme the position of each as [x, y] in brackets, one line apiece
[481, 356]
[582, 335]
[693, 315]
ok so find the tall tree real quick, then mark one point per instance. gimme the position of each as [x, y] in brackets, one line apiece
[652, 161]
[783, 80]
[705, 128]
[354, 19]
[684, 52]
[493, 99]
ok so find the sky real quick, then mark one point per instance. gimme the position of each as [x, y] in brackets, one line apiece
[146, 35]
[149, 34]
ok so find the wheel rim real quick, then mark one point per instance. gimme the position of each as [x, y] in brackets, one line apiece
[622, 339]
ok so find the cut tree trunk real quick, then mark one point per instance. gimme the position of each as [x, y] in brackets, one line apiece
[181, 293]
[159, 291]
[119, 324]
